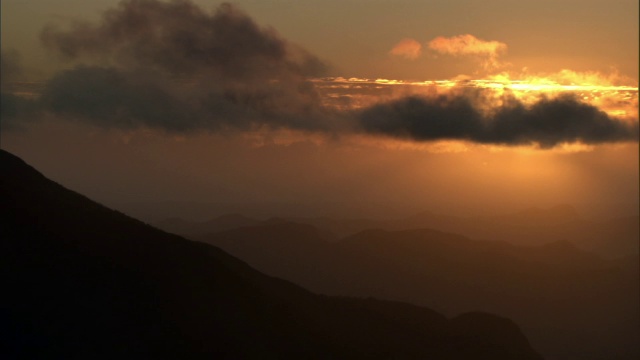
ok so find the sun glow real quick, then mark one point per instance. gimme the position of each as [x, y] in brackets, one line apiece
[612, 94]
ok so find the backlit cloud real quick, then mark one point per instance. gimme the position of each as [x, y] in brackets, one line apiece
[407, 48]
[181, 38]
[547, 122]
[173, 67]
[465, 45]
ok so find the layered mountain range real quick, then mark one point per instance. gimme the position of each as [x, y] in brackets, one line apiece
[83, 281]
[572, 304]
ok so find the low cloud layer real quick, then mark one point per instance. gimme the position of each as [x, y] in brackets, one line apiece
[548, 122]
[10, 67]
[12, 106]
[173, 67]
[110, 97]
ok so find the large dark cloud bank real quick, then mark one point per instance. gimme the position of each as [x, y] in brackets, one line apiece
[176, 67]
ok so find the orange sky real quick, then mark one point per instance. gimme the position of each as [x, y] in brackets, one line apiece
[525, 50]
[355, 36]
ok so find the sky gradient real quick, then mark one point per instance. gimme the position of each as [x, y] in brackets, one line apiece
[427, 103]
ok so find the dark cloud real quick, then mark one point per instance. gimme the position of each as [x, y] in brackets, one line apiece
[174, 67]
[181, 38]
[111, 97]
[553, 121]
[9, 107]
[12, 106]
[16, 111]
[10, 67]
[547, 122]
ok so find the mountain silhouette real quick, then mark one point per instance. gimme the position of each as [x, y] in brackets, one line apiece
[571, 303]
[220, 223]
[611, 238]
[617, 237]
[83, 281]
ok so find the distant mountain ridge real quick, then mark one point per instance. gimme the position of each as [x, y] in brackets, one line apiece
[568, 301]
[81, 281]
[221, 223]
[618, 237]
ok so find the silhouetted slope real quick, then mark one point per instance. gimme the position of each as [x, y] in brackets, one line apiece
[296, 252]
[572, 303]
[81, 281]
[220, 223]
[195, 229]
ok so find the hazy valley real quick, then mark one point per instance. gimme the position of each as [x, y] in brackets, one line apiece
[334, 179]
[85, 281]
[571, 302]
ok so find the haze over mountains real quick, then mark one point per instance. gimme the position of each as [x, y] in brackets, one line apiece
[288, 150]
[572, 304]
[535, 265]
[611, 238]
[83, 281]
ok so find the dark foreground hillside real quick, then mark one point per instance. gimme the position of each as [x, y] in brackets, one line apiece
[82, 281]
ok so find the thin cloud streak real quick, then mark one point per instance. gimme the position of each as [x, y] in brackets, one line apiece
[469, 45]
